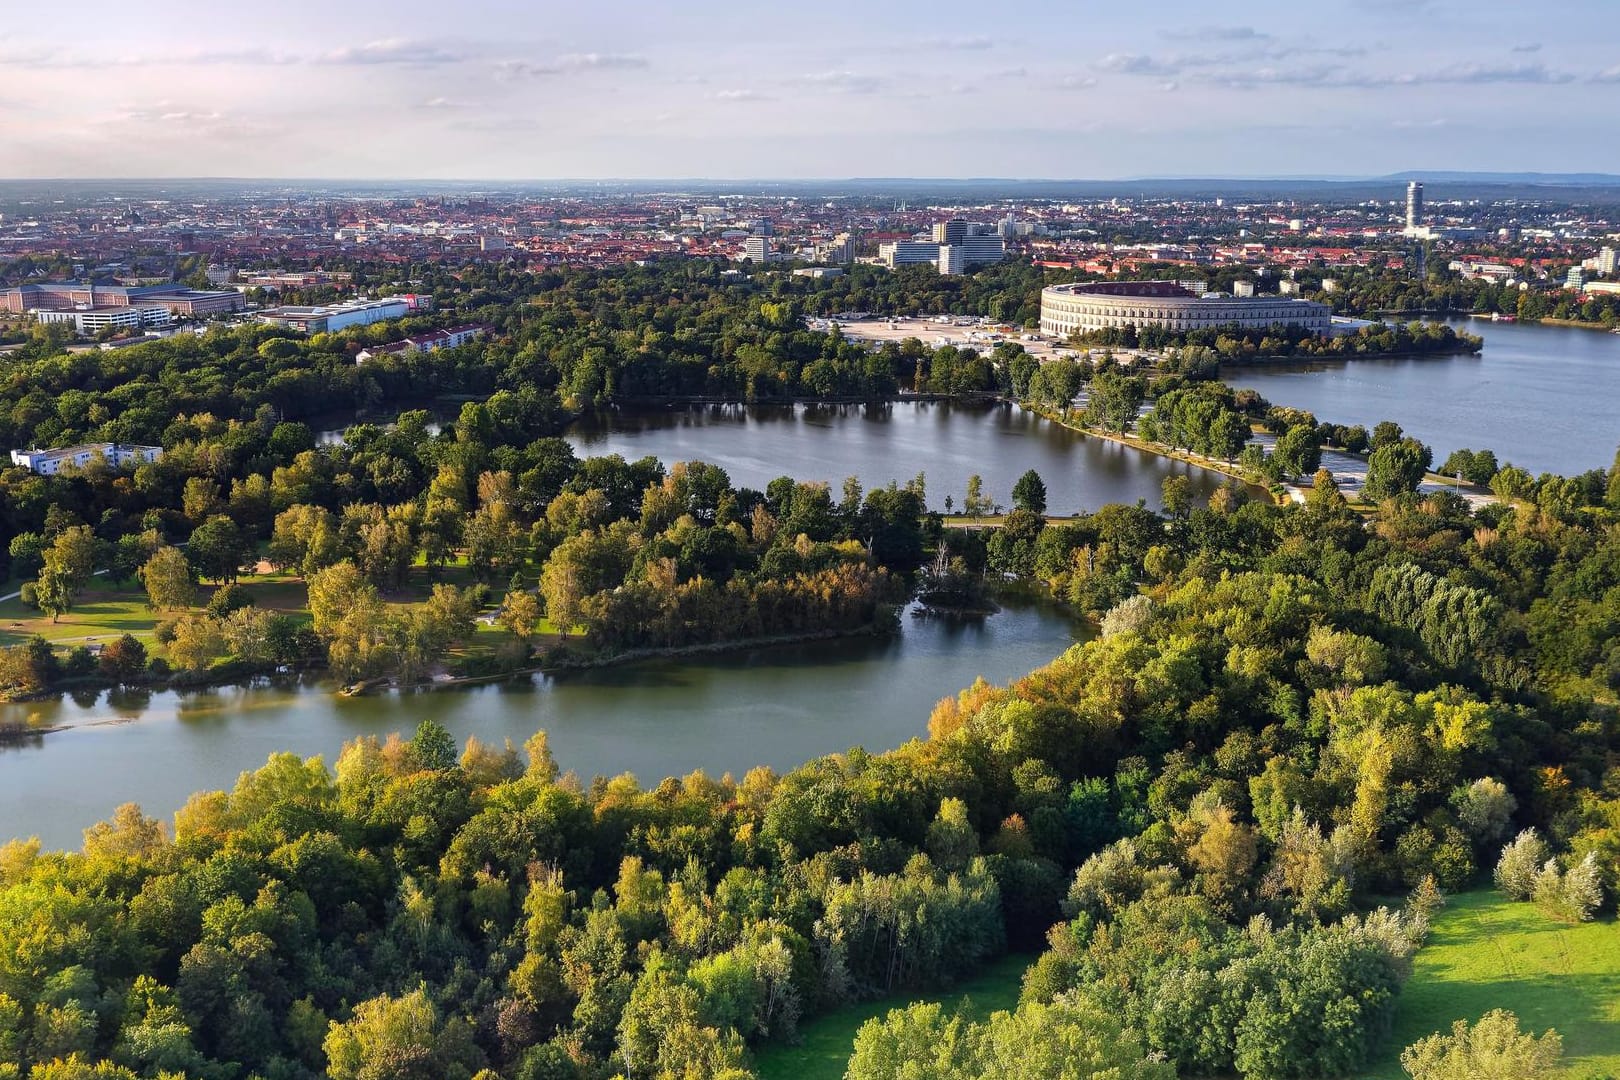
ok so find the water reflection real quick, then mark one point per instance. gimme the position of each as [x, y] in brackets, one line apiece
[776, 706]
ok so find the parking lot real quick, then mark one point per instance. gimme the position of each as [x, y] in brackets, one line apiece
[964, 332]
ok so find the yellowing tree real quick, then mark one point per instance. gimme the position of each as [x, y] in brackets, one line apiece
[170, 585]
[399, 1039]
[1493, 1049]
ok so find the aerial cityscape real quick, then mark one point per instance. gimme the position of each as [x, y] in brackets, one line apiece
[883, 542]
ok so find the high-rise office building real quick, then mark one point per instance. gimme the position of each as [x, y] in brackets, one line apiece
[977, 244]
[952, 232]
[756, 249]
[1414, 204]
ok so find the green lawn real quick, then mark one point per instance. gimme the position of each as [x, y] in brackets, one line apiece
[1486, 953]
[829, 1040]
[102, 612]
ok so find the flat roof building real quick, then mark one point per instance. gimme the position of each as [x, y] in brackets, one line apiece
[1101, 305]
[448, 338]
[67, 295]
[90, 321]
[118, 455]
[330, 317]
[974, 245]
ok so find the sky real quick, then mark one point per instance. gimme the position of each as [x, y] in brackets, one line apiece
[734, 89]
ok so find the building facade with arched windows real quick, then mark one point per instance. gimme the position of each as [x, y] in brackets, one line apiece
[1100, 305]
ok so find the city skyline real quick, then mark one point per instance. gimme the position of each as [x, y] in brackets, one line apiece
[629, 90]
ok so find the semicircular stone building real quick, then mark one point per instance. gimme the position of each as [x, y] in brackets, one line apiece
[1099, 305]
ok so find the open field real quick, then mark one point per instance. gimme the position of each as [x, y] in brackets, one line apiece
[104, 611]
[828, 1040]
[1486, 953]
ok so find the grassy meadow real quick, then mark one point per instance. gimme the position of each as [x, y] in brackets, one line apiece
[828, 1040]
[1487, 952]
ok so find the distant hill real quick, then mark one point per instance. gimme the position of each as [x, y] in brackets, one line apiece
[1547, 179]
[1597, 188]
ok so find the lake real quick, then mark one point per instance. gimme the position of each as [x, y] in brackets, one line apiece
[777, 706]
[1542, 397]
[948, 442]
[730, 712]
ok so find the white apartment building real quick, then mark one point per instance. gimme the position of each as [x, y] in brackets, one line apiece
[118, 455]
[90, 321]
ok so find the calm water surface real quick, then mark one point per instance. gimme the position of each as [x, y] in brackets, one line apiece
[1546, 398]
[779, 706]
[878, 443]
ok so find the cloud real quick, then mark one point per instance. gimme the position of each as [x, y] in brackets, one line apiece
[441, 104]
[1495, 73]
[392, 51]
[1173, 65]
[1609, 75]
[1138, 64]
[578, 61]
[843, 82]
[167, 119]
[252, 57]
[33, 57]
[508, 70]
[1215, 33]
[1075, 82]
[740, 95]
[973, 43]
[1010, 73]
[1337, 76]
[1249, 78]
[1527, 47]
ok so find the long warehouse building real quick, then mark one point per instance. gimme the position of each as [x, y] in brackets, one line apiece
[1100, 305]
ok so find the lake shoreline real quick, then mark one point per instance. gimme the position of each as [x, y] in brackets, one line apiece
[1186, 457]
[1573, 324]
[548, 666]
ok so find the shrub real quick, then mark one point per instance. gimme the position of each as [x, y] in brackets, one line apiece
[228, 598]
[1520, 865]
[123, 659]
[1484, 808]
[1573, 896]
[1494, 1047]
[80, 662]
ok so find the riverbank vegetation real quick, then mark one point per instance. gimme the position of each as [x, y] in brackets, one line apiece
[1234, 344]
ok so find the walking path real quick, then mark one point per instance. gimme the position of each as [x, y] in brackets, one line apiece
[15, 595]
